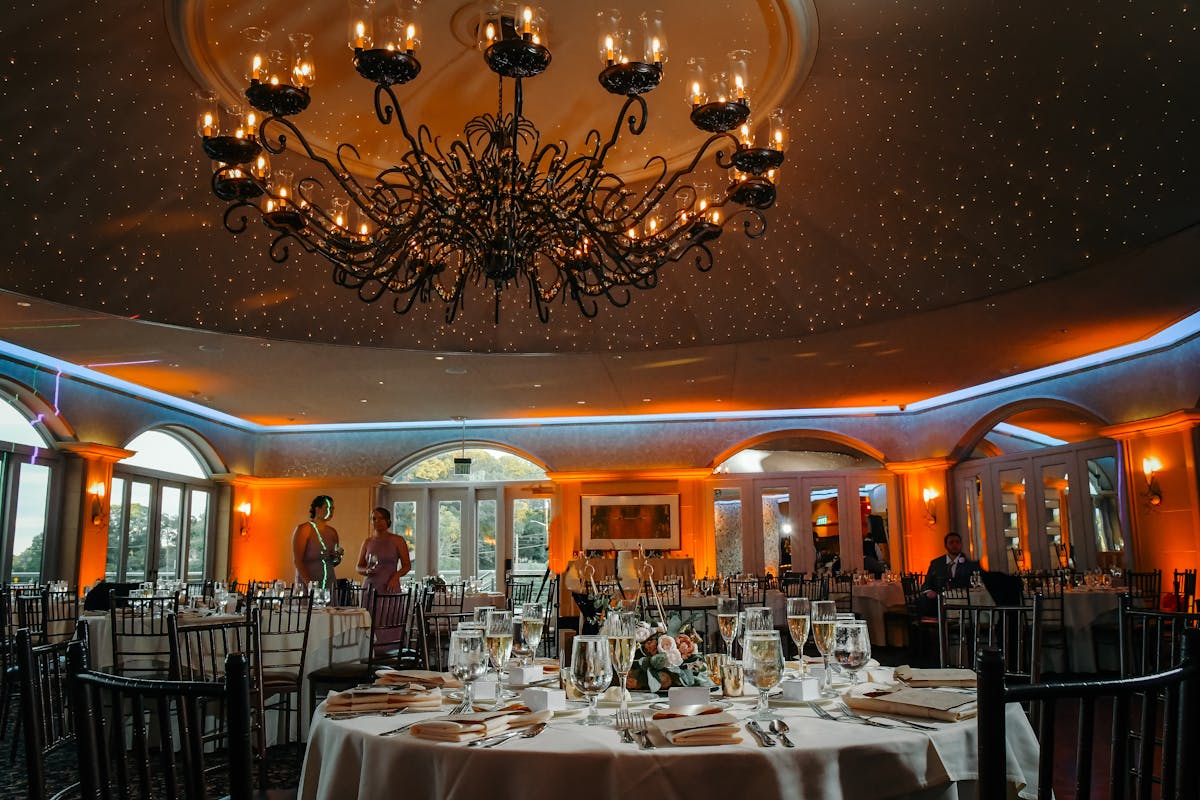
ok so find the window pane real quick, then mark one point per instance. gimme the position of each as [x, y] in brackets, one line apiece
[826, 527]
[161, 451]
[1055, 520]
[873, 505]
[531, 539]
[404, 522]
[197, 534]
[1013, 516]
[33, 492]
[485, 543]
[137, 551]
[168, 532]
[15, 428]
[777, 530]
[1102, 486]
[116, 532]
[486, 465]
[449, 537]
[727, 523]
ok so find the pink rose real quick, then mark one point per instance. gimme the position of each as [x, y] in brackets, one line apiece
[686, 646]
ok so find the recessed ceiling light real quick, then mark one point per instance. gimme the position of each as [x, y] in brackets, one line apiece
[537, 386]
[455, 371]
[362, 400]
[24, 304]
[439, 358]
[645, 399]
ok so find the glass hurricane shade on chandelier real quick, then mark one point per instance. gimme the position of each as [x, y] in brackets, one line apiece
[497, 208]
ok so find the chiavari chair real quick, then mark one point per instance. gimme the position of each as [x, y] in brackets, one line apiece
[45, 709]
[141, 636]
[283, 626]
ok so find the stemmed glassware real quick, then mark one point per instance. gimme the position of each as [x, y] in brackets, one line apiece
[372, 562]
[762, 659]
[591, 673]
[468, 662]
[852, 646]
[824, 621]
[757, 618]
[532, 621]
[499, 640]
[799, 618]
[727, 622]
[621, 629]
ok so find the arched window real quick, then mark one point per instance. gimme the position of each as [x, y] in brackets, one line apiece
[28, 474]
[160, 516]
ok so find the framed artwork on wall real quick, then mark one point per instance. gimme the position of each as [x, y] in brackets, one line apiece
[627, 522]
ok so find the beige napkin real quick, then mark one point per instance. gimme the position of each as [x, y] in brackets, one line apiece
[468, 727]
[422, 677]
[701, 729]
[927, 703]
[383, 699]
[935, 677]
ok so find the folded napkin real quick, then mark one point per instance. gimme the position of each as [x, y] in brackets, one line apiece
[702, 729]
[935, 677]
[382, 698]
[908, 702]
[420, 677]
[688, 711]
[468, 727]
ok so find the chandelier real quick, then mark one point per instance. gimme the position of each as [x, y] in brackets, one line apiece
[497, 208]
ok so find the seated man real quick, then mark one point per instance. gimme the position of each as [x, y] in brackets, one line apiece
[953, 569]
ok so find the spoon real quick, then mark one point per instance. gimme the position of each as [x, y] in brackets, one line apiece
[780, 729]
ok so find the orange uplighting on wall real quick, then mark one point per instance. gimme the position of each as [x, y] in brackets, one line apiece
[96, 491]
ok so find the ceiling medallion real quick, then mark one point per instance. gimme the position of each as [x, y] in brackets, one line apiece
[497, 208]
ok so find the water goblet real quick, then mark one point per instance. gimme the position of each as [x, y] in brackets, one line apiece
[757, 618]
[591, 673]
[533, 619]
[799, 618]
[468, 660]
[852, 647]
[480, 613]
[824, 620]
[621, 629]
[727, 622]
[762, 660]
[499, 641]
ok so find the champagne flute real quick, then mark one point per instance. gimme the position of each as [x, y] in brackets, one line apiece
[591, 673]
[852, 647]
[762, 660]
[499, 640]
[727, 621]
[799, 617]
[468, 660]
[532, 621]
[824, 620]
[621, 629]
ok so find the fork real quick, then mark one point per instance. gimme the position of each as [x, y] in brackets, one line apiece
[916, 725]
[639, 727]
[851, 714]
[624, 724]
[823, 714]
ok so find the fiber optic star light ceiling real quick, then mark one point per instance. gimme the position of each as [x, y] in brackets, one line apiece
[499, 210]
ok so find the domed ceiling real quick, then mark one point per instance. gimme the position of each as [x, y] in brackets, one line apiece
[970, 189]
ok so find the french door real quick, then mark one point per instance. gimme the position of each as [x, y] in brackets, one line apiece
[157, 528]
[26, 515]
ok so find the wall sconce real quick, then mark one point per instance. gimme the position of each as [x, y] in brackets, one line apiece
[243, 510]
[930, 496]
[96, 491]
[1151, 467]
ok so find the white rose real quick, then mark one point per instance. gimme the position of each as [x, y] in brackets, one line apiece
[667, 644]
[674, 657]
[641, 634]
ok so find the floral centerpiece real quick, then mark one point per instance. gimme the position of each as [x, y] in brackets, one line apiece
[668, 654]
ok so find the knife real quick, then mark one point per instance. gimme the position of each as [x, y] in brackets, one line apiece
[760, 734]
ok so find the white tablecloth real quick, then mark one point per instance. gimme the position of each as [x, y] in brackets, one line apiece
[1082, 610]
[347, 759]
[872, 601]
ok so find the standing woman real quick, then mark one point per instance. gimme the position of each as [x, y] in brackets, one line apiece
[383, 559]
[315, 546]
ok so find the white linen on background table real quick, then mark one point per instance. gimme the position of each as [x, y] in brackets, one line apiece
[1082, 609]
[347, 759]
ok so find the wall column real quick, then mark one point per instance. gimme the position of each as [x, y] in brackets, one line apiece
[83, 545]
[924, 524]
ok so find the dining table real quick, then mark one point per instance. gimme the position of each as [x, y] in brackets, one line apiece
[355, 758]
[1085, 609]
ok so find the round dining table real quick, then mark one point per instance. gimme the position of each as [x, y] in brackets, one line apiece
[351, 758]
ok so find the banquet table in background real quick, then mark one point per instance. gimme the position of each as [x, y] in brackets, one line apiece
[872, 601]
[348, 759]
[684, 569]
[1083, 610]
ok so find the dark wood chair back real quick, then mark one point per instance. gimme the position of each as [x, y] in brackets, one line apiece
[1184, 582]
[518, 591]
[389, 630]
[1015, 630]
[1151, 641]
[145, 737]
[748, 591]
[45, 711]
[1154, 737]
[841, 592]
[141, 635]
[1144, 588]
[60, 613]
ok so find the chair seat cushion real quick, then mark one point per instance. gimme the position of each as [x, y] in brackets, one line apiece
[352, 669]
[280, 677]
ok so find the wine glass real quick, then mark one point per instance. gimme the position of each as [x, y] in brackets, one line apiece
[727, 621]
[799, 617]
[499, 641]
[480, 613]
[852, 647]
[372, 562]
[824, 620]
[468, 661]
[757, 618]
[591, 673]
[533, 619]
[762, 660]
[621, 629]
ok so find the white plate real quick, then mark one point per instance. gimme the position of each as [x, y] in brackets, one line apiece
[688, 711]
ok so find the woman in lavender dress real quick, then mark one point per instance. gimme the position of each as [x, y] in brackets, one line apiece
[383, 559]
[316, 547]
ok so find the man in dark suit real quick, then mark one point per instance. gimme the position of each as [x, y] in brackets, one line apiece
[953, 569]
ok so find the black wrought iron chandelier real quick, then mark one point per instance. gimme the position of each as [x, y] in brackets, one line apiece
[496, 209]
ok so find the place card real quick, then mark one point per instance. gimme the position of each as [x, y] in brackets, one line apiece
[523, 676]
[542, 699]
[679, 697]
[485, 689]
[801, 690]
